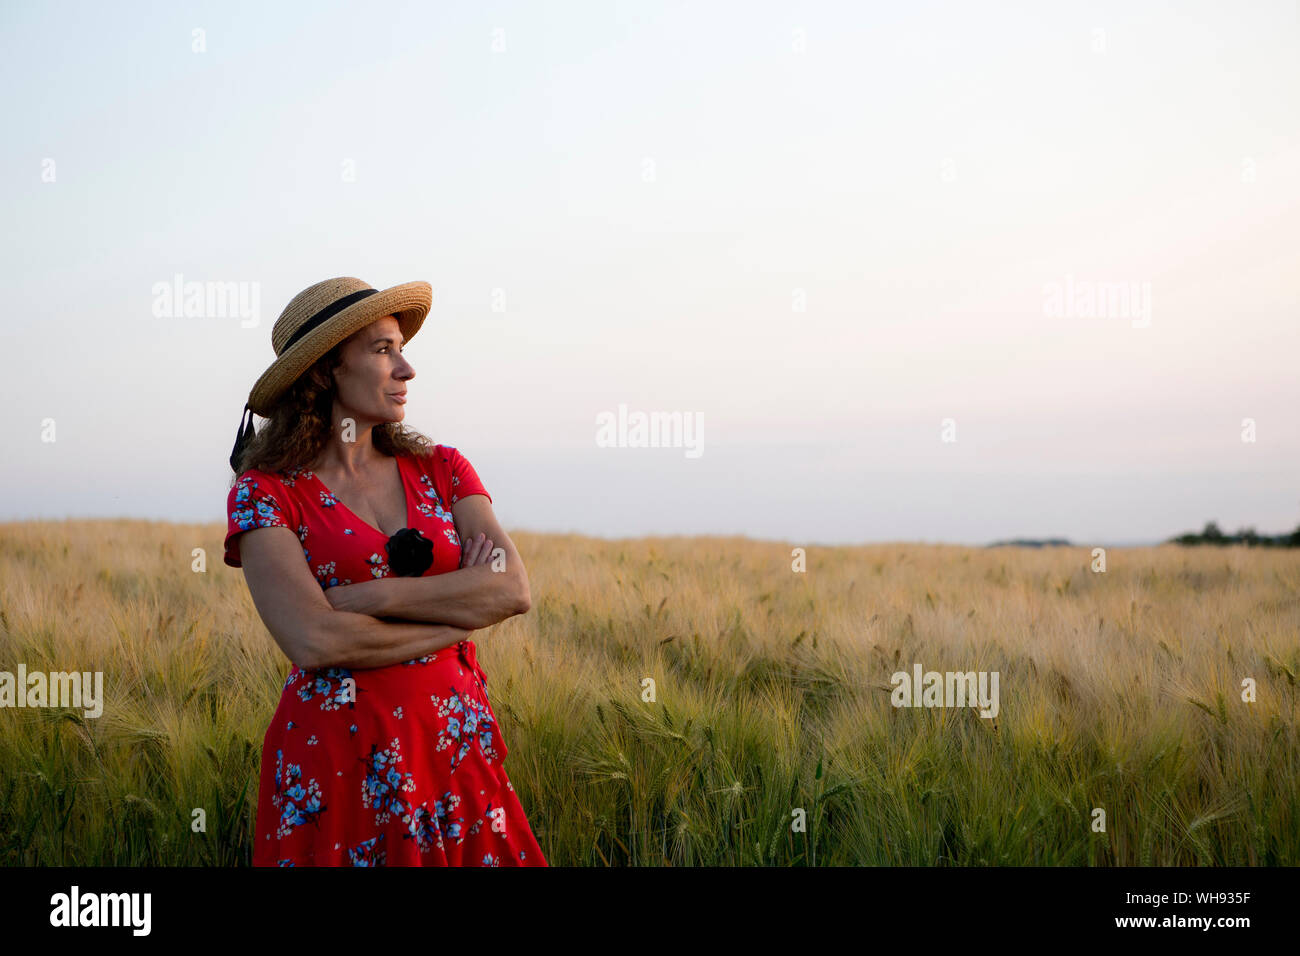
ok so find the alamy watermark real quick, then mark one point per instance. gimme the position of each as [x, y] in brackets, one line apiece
[75, 908]
[179, 299]
[1085, 299]
[651, 430]
[949, 689]
[55, 689]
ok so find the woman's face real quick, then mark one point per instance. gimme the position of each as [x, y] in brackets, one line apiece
[372, 379]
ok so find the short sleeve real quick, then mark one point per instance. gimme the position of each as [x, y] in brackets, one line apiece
[464, 479]
[257, 500]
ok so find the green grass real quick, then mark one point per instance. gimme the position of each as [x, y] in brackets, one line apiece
[1119, 691]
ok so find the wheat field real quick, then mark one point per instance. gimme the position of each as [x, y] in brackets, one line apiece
[1119, 691]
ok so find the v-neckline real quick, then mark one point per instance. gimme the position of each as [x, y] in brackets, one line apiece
[406, 501]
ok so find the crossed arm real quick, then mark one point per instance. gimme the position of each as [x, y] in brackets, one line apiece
[388, 620]
[480, 593]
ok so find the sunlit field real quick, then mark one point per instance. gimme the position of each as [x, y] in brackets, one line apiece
[770, 739]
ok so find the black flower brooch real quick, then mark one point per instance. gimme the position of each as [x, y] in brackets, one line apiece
[410, 553]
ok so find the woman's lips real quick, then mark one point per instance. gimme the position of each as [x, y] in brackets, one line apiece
[400, 399]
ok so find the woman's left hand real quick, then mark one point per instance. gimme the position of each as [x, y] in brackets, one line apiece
[364, 597]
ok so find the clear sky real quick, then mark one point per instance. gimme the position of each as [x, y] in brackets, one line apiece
[822, 228]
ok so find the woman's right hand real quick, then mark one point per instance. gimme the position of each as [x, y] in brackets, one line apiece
[477, 550]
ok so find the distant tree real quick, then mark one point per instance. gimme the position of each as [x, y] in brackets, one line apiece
[1212, 534]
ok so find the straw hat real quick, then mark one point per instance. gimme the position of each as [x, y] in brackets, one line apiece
[319, 318]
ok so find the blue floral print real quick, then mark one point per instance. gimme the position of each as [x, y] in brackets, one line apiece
[384, 784]
[465, 722]
[297, 804]
[367, 852]
[335, 685]
[254, 508]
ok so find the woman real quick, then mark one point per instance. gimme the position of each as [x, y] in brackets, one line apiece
[384, 749]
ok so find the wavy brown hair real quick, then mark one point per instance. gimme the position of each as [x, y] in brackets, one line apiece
[299, 425]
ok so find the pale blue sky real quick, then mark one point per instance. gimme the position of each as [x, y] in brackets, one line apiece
[920, 172]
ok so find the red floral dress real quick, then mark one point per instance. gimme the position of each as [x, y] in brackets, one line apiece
[399, 765]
